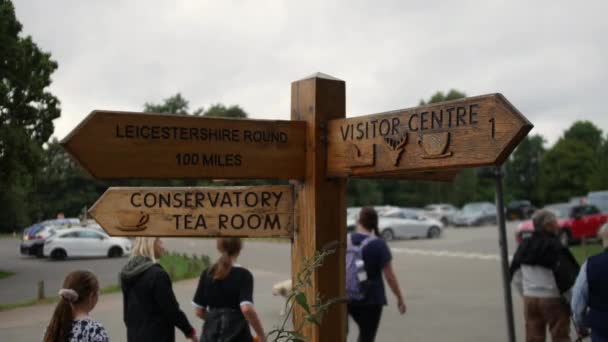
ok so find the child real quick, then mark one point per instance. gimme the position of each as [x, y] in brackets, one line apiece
[71, 321]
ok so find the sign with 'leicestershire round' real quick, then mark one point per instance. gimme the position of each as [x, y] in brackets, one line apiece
[255, 211]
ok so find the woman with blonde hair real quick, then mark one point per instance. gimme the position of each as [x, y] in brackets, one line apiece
[224, 298]
[150, 309]
[71, 321]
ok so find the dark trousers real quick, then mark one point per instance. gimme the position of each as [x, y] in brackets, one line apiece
[367, 318]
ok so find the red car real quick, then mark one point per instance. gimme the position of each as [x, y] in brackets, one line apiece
[576, 222]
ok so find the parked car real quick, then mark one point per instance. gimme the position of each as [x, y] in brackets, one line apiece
[33, 236]
[519, 210]
[442, 212]
[576, 222]
[599, 199]
[407, 223]
[84, 242]
[476, 214]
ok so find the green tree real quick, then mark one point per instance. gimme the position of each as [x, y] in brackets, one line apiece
[27, 111]
[598, 179]
[66, 187]
[564, 171]
[219, 110]
[175, 104]
[439, 96]
[575, 165]
[522, 169]
[586, 133]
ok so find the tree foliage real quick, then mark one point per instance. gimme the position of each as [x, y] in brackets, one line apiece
[175, 104]
[219, 110]
[27, 111]
[522, 169]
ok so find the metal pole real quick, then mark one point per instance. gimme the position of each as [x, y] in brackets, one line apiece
[504, 255]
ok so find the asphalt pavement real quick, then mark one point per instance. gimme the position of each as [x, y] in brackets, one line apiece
[453, 287]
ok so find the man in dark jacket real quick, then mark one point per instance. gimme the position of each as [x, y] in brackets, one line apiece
[590, 294]
[544, 271]
[150, 309]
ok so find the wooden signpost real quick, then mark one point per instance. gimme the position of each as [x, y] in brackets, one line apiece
[141, 145]
[317, 150]
[469, 132]
[254, 211]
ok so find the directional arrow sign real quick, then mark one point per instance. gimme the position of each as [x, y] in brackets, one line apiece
[469, 132]
[255, 211]
[138, 145]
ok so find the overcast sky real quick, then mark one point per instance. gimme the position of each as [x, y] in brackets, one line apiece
[549, 58]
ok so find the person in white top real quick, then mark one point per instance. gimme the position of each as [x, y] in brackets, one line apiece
[543, 271]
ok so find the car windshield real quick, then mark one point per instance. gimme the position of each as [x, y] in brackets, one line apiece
[431, 207]
[561, 211]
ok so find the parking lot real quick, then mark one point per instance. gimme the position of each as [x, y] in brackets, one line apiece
[452, 285]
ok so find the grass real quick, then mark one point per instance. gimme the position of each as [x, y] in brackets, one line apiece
[5, 274]
[179, 267]
[584, 250]
[182, 266]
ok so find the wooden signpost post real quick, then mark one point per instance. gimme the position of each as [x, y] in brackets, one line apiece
[317, 150]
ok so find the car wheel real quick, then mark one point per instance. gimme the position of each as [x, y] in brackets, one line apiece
[445, 221]
[388, 234]
[58, 254]
[115, 252]
[564, 237]
[433, 233]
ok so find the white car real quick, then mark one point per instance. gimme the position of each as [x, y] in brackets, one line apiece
[84, 242]
[442, 212]
[407, 223]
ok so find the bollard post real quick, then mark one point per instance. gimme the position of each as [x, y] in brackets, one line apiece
[41, 295]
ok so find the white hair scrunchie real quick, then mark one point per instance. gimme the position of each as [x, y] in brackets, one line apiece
[69, 295]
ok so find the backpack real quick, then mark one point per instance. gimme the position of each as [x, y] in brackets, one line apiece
[356, 276]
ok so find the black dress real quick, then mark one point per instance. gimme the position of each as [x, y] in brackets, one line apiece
[223, 299]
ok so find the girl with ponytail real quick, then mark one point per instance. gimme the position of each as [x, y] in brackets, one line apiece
[71, 321]
[224, 298]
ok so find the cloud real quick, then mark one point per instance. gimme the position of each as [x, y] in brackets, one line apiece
[547, 57]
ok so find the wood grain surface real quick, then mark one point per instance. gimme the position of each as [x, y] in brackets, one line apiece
[469, 132]
[320, 205]
[248, 211]
[141, 145]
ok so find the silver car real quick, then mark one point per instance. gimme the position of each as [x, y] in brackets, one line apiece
[407, 223]
[476, 214]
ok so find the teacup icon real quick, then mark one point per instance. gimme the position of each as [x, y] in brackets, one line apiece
[139, 226]
[435, 145]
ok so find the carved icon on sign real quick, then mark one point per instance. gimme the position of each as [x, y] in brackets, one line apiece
[139, 226]
[396, 147]
[435, 145]
[360, 158]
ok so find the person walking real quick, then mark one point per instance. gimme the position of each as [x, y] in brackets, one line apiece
[590, 294]
[71, 321]
[544, 271]
[367, 259]
[150, 309]
[224, 298]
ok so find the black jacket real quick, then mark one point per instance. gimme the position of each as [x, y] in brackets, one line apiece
[150, 309]
[544, 249]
